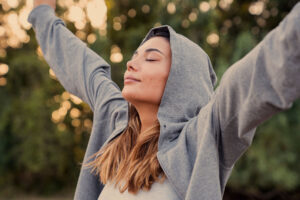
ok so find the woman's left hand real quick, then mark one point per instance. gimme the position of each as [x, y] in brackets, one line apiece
[51, 3]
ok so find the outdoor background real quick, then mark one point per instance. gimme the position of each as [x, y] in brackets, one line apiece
[44, 130]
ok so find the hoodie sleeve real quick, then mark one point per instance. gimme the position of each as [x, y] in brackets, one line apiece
[80, 70]
[263, 83]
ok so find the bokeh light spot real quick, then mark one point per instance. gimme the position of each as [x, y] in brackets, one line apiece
[213, 39]
[117, 26]
[52, 74]
[91, 38]
[3, 69]
[132, 13]
[171, 8]
[146, 8]
[96, 12]
[61, 127]
[76, 122]
[256, 8]
[75, 99]
[88, 123]
[193, 16]
[204, 6]
[185, 23]
[13, 3]
[75, 113]
[116, 55]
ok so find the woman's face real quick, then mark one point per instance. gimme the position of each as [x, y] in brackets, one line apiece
[150, 66]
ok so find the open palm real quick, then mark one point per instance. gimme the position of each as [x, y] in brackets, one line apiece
[51, 3]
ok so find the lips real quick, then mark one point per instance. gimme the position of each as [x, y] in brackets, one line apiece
[131, 78]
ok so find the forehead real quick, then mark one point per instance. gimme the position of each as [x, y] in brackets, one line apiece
[160, 43]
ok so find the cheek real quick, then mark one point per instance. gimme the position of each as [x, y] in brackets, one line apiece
[157, 77]
[155, 85]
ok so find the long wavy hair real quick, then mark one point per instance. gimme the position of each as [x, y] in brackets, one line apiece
[130, 159]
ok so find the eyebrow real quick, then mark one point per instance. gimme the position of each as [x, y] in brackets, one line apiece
[151, 49]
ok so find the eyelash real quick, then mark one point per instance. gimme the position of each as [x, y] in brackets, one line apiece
[150, 60]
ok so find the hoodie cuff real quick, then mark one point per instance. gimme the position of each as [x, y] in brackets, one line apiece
[40, 14]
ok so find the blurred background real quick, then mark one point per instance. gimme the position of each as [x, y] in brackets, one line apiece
[44, 130]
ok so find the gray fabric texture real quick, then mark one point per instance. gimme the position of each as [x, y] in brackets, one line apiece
[203, 131]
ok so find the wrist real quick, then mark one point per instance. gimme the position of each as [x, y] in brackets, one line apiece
[51, 3]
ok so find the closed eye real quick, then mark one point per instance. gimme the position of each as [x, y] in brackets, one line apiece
[150, 60]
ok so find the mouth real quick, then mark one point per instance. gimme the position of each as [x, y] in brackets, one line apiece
[130, 80]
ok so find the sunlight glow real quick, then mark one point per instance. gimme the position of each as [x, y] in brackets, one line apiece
[2, 31]
[193, 16]
[185, 23]
[12, 3]
[96, 12]
[88, 123]
[3, 81]
[213, 39]
[52, 75]
[55, 116]
[123, 18]
[2, 53]
[116, 55]
[225, 4]
[24, 12]
[81, 35]
[14, 24]
[132, 13]
[62, 111]
[157, 24]
[171, 8]
[39, 52]
[61, 127]
[76, 14]
[204, 6]
[66, 105]
[256, 8]
[65, 95]
[145, 8]
[3, 69]
[213, 4]
[261, 22]
[65, 3]
[76, 122]
[91, 38]
[75, 99]
[75, 113]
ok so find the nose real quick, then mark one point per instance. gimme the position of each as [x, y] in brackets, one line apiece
[130, 65]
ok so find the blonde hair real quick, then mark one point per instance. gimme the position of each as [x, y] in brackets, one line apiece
[131, 157]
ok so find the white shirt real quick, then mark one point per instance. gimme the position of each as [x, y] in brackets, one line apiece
[158, 191]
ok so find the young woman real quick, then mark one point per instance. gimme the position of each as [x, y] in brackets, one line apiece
[168, 134]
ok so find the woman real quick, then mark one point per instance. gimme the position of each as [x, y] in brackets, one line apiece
[168, 131]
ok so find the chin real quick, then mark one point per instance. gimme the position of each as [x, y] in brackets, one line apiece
[128, 96]
[135, 98]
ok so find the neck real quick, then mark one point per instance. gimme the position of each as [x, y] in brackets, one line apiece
[148, 115]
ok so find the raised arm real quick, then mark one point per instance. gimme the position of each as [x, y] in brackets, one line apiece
[85, 74]
[80, 70]
[263, 83]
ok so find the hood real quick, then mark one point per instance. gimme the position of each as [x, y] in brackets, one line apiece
[189, 86]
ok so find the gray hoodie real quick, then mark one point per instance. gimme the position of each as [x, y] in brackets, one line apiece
[203, 132]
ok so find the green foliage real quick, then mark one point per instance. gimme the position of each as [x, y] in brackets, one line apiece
[273, 160]
[32, 150]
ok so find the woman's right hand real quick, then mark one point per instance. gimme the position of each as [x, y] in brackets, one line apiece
[51, 3]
